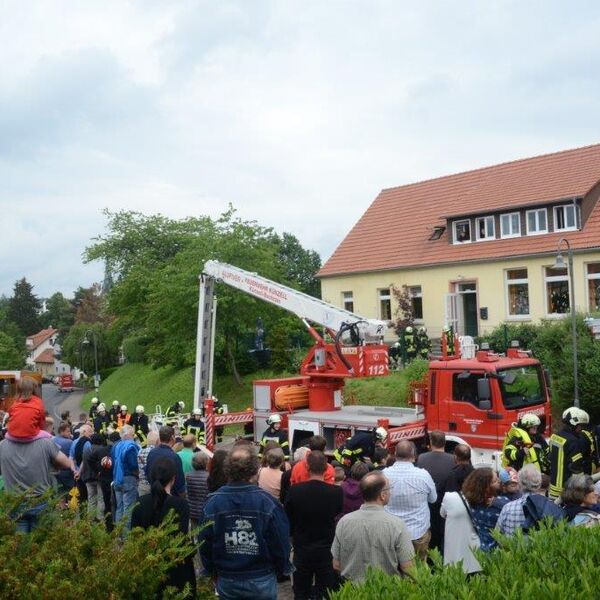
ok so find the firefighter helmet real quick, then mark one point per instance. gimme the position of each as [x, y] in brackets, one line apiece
[422, 330]
[575, 416]
[123, 408]
[115, 403]
[381, 434]
[197, 412]
[101, 407]
[94, 400]
[139, 409]
[529, 420]
[408, 329]
[397, 345]
[181, 404]
[273, 419]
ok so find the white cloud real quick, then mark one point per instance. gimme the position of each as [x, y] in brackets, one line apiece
[298, 114]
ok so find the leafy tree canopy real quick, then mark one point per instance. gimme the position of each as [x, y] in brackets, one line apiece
[11, 356]
[156, 263]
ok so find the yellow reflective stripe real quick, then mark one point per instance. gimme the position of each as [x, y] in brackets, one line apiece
[577, 457]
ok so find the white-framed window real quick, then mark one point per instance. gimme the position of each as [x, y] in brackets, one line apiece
[385, 304]
[593, 286]
[517, 293]
[557, 291]
[565, 217]
[537, 221]
[462, 231]
[485, 228]
[416, 299]
[348, 301]
[510, 225]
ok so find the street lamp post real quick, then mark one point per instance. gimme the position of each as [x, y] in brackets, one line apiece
[95, 341]
[560, 264]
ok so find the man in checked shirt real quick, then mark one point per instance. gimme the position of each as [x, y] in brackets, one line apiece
[412, 490]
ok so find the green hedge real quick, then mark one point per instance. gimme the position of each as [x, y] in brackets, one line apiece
[71, 557]
[555, 564]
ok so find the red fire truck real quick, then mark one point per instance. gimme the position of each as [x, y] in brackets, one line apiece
[473, 396]
[65, 383]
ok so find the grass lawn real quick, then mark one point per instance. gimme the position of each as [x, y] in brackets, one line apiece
[136, 383]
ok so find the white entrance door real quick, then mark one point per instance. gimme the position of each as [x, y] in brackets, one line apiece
[455, 313]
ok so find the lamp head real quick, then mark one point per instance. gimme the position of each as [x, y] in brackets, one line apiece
[559, 263]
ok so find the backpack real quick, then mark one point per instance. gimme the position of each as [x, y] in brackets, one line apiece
[536, 508]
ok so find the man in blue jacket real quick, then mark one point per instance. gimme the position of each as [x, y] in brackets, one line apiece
[246, 534]
[125, 474]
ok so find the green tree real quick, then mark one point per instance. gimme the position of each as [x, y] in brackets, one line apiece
[300, 266]
[90, 306]
[78, 347]
[11, 356]
[24, 307]
[9, 327]
[60, 313]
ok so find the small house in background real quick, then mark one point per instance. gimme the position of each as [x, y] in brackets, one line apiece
[43, 353]
[477, 249]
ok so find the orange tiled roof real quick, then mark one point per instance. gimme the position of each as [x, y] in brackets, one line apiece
[47, 356]
[393, 232]
[40, 337]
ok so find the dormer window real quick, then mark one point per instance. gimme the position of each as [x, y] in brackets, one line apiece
[537, 221]
[462, 231]
[565, 217]
[510, 225]
[485, 228]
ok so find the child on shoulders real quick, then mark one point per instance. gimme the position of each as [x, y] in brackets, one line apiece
[27, 416]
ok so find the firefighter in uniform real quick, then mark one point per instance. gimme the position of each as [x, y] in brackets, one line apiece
[524, 445]
[566, 450]
[195, 426]
[173, 412]
[275, 434]
[360, 446]
[123, 417]
[102, 422]
[139, 422]
[395, 356]
[113, 413]
[409, 343]
[423, 343]
[448, 332]
[93, 409]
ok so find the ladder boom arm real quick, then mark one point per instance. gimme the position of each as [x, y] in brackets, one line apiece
[302, 305]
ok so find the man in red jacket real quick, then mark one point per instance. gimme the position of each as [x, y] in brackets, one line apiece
[300, 470]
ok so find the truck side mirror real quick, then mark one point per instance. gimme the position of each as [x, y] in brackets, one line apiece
[483, 389]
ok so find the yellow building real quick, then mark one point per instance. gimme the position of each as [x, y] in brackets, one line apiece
[477, 249]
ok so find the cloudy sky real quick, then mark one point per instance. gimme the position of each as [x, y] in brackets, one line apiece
[297, 113]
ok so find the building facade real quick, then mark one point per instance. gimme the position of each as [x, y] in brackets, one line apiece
[477, 249]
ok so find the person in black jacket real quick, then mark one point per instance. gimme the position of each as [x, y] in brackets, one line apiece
[139, 422]
[100, 463]
[152, 509]
[312, 507]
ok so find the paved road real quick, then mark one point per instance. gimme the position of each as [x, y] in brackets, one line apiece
[57, 402]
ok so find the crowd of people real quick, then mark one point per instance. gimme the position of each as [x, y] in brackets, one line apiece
[258, 516]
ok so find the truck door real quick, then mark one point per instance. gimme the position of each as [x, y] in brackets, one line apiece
[467, 415]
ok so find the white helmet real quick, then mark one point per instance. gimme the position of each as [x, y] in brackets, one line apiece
[381, 434]
[123, 408]
[115, 403]
[274, 419]
[197, 412]
[101, 407]
[139, 409]
[530, 420]
[94, 400]
[575, 416]
[181, 404]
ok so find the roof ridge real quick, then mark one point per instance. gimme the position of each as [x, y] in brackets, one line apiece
[489, 167]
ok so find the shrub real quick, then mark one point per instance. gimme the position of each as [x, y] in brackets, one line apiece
[135, 348]
[69, 557]
[551, 563]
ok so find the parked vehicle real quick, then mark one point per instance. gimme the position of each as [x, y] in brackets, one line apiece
[65, 383]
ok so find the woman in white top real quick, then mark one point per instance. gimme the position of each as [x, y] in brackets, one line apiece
[460, 537]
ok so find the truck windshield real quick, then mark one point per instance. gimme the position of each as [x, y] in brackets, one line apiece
[521, 386]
